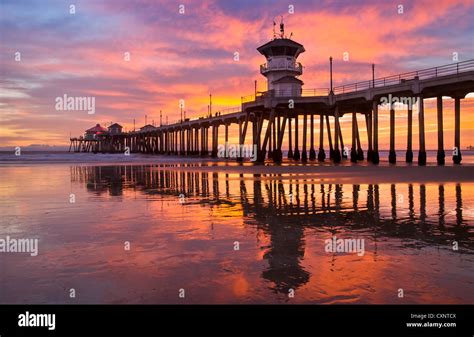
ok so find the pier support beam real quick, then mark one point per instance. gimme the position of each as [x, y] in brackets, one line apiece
[321, 153]
[196, 149]
[197, 139]
[270, 144]
[168, 143]
[163, 144]
[440, 155]
[171, 142]
[226, 139]
[290, 148]
[368, 125]
[421, 122]
[188, 141]
[328, 127]
[206, 142]
[280, 128]
[337, 154]
[392, 156]
[176, 135]
[203, 141]
[215, 141]
[274, 135]
[312, 152]
[271, 120]
[183, 139]
[259, 138]
[191, 141]
[343, 148]
[186, 146]
[296, 153]
[160, 136]
[304, 154]
[375, 153]
[239, 150]
[457, 157]
[360, 152]
[278, 155]
[254, 132]
[174, 142]
[409, 153]
[354, 138]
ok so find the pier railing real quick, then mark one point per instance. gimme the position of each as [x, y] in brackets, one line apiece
[227, 111]
[315, 92]
[286, 93]
[217, 113]
[290, 66]
[449, 69]
[253, 98]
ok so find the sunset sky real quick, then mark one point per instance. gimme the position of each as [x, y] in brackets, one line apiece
[186, 56]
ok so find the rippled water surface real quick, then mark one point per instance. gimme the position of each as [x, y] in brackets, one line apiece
[230, 238]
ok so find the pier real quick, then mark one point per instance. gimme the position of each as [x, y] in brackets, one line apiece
[273, 116]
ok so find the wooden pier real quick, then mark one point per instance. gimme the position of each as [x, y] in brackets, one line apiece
[269, 114]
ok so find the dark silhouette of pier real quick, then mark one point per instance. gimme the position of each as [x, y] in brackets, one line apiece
[270, 117]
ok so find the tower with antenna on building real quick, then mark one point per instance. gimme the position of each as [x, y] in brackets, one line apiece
[282, 69]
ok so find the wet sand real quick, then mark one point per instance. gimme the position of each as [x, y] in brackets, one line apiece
[183, 226]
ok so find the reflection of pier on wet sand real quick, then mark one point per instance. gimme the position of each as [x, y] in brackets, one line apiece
[272, 197]
[284, 209]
